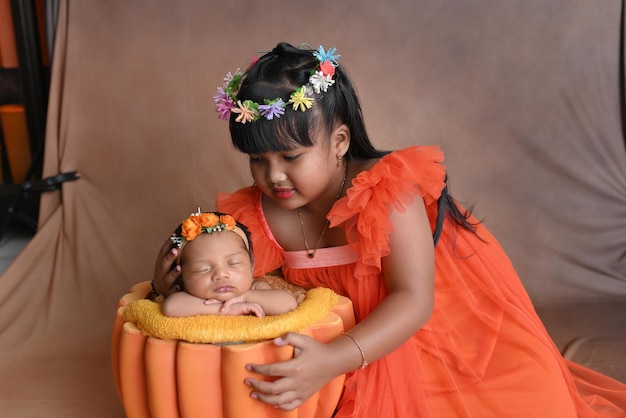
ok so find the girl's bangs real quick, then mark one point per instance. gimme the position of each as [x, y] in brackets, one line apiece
[277, 135]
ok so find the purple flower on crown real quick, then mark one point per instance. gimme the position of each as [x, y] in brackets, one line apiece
[272, 108]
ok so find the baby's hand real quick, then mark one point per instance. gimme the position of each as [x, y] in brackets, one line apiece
[212, 301]
[230, 302]
[245, 308]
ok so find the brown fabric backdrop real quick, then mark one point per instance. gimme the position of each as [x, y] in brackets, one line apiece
[522, 95]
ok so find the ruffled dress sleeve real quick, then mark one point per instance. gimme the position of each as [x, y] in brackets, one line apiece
[393, 182]
[245, 206]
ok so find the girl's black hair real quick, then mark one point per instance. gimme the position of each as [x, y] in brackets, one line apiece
[278, 74]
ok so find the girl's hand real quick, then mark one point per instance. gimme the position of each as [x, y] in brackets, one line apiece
[165, 277]
[299, 378]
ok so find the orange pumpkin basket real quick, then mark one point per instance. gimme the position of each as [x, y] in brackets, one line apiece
[174, 367]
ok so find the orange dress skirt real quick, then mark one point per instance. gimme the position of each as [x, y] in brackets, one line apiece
[484, 352]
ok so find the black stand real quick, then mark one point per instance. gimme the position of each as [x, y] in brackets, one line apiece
[34, 85]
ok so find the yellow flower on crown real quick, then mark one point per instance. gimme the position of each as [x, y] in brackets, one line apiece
[300, 100]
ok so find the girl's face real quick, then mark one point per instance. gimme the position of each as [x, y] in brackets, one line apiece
[297, 177]
[216, 266]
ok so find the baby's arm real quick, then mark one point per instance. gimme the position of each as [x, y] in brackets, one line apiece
[183, 304]
[272, 301]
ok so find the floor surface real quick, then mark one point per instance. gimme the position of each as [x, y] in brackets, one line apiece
[589, 333]
[11, 244]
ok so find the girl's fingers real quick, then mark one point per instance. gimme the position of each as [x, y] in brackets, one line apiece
[165, 276]
[279, 369]
[294, 339]
[286, 401]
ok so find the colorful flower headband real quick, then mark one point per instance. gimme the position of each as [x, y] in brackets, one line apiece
[301, 99]
[208, 222]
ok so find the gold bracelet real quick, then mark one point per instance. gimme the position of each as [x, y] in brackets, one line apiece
[364, 362]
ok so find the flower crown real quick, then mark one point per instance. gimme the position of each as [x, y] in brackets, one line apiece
[208, 222]
[301, 99]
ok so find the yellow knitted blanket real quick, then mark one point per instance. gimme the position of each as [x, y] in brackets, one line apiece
[228, 329]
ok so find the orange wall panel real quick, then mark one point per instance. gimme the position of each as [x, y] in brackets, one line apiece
[8, 52]
[13, 123]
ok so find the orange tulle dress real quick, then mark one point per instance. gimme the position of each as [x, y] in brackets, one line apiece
[484, 352]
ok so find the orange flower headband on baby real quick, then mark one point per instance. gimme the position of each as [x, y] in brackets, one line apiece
[208, 222]
[301, 99]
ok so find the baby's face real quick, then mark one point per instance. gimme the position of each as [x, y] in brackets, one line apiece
[216, 266]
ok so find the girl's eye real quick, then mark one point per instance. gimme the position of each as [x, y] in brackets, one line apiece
[255, 159]
[291, 157]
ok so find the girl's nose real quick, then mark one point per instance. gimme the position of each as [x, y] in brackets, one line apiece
[275, 174]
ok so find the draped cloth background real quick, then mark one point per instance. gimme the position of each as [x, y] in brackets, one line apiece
[524, 96]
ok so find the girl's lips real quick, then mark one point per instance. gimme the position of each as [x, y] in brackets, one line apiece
[283, 193]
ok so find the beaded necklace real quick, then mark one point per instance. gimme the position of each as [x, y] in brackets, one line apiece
[312, 253]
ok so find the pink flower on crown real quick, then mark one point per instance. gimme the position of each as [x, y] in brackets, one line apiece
[253, 61]
[223, 104]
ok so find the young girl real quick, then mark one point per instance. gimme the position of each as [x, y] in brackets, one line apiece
[444, 325]
[216, 271]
